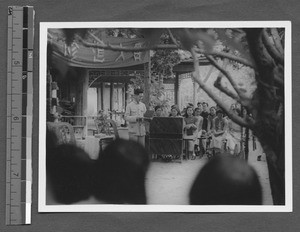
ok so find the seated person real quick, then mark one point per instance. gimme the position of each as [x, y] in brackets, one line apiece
[158, 111]
[206, 135]
[120, 173]
[210, 118]
[204, 115]
[197, 113]
[190, 130]
[226, 180]
[183, 112]
[199, 105]
[175, 112]
[234, 136]
[218, 131]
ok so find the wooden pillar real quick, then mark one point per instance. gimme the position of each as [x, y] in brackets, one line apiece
[102, 103]
[85, 86]
[117, 96]
[111, 98]
[125, 95]
[147, 77]
[78, 97]
[179, 93]
[81, 88]
[99, 99]
[84, 93]
[194, 92]
[176, 88]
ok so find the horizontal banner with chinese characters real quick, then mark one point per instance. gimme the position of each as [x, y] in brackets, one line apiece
[78, 55]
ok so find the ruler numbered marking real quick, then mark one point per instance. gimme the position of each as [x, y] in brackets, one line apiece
[19, 114]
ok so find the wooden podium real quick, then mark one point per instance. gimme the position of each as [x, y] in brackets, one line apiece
[165, 137]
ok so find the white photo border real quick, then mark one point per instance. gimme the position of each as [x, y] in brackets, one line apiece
[43, 207]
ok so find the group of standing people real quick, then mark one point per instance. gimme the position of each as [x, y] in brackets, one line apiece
[200, 125]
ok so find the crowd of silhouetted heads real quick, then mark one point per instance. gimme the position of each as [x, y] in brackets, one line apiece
[118, 176]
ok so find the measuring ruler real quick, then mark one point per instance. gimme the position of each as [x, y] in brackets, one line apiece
[19, 114]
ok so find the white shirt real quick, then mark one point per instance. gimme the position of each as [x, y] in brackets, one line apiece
[135, 110]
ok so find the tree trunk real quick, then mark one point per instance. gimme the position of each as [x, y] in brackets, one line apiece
[269, 125]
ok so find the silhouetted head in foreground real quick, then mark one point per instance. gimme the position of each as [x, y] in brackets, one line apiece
[226, 180]
[69, 170]
[121, 171]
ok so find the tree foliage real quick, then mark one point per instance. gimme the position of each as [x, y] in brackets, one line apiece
[261, 49]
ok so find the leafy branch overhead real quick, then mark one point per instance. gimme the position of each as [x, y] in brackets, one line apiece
[214, 44]
[259, 49]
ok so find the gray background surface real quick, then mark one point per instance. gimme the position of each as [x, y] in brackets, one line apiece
[155, 10]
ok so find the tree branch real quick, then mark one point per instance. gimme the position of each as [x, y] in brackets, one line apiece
[264, 61]
[224, 72]
[173, 38]
[234, 117]
[208, 74]
[271, 48]
[228, 56]
[241, 96]
[225, 90]
[277, 40]
[174, 46]
[279, 81]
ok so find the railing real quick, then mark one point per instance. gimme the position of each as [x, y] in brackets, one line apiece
[118, 117]
[79, 123]
[86, 124]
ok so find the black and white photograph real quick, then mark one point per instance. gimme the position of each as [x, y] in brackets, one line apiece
[165, 116]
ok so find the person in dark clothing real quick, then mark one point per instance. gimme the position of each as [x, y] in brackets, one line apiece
[210, 118]
[204, 115]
